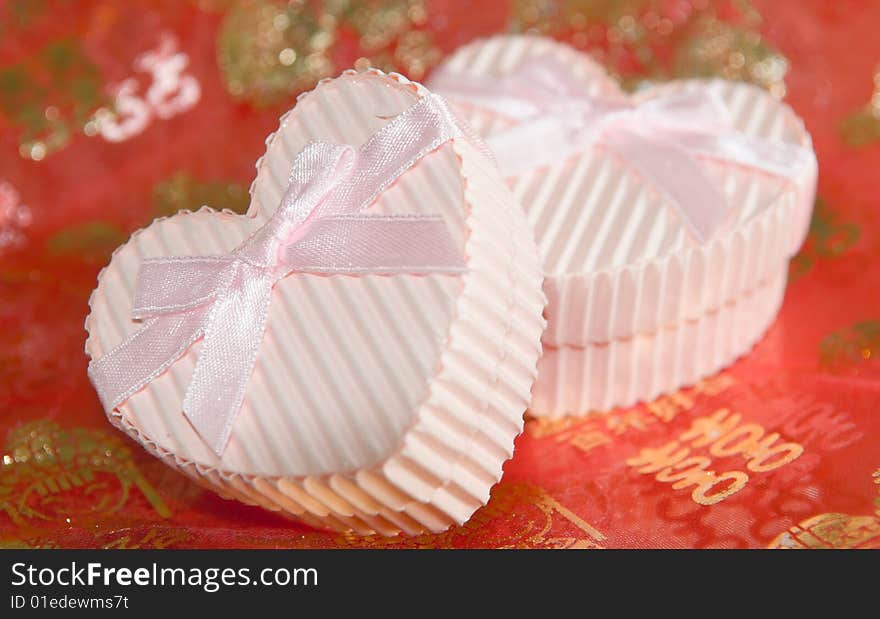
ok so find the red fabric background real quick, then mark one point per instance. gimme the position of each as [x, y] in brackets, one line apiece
[68, 479]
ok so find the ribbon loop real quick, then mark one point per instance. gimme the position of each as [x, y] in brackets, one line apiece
[168, 285]
[319, 227]
[663, 137]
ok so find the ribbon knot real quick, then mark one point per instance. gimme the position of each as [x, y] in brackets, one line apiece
[319, 227]
[555, 115]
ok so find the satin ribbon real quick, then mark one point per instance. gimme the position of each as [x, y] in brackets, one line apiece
[663, 138]
[319, 227]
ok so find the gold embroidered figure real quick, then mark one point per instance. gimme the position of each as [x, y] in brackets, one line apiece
[50, 475]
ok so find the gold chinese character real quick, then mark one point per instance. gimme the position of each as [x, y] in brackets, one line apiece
[635, 419]
[651, 460]
[706, 430]
[589, 440]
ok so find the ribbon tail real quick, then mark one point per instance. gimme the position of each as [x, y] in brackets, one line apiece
[480, 93]
[376, 244]
[700, 204]
[793, 163]
[393, 150]
[144, 355]
[545, 79]
[541, 141]
[686, 109]
[784, 159]
[233, 333]
[534, 86]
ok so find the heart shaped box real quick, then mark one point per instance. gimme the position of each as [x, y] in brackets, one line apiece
[377, 403]
[635, 308]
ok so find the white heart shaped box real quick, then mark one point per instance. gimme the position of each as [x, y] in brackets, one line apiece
[377, 403]
[635, 308]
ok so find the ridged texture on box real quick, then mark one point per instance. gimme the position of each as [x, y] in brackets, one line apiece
[381, 404]
[618, 263]
[635, 307]
[576, 380]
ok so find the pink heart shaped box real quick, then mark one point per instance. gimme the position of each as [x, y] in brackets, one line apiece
[377, 403]
[636, 308]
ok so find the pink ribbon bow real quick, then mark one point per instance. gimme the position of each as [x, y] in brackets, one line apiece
[318, 228]
[662, 137]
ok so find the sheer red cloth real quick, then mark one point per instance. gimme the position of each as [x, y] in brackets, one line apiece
[114, 113]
